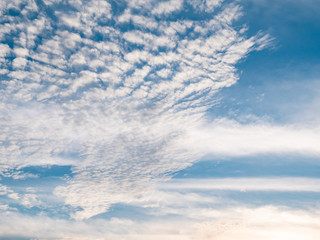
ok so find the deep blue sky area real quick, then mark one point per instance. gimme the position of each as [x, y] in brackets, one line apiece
[278, 81]
[257, 166]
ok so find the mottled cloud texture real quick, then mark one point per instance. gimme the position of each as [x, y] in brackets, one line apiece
[111, 92]
[120, 91]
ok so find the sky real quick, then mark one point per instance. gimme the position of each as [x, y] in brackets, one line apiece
[145, 119]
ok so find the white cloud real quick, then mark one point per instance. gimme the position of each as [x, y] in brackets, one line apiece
[140, 4]
[164, 73]
[230, 138]
[44, 227]
[208, 5]
[72, 20]
[141, 21]
[211, 4]
[4, 50]
[167, 7]
[266, 223]
[99, 105]
[21, 52]
[19, 62]
[14, 196]
[4, 190]
[262, 223]
[26, 199]
[30, 200]
[246, 184]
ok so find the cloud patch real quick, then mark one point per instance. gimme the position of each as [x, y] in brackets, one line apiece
[113, 98]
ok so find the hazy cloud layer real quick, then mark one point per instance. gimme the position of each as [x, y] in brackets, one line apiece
[242, 223]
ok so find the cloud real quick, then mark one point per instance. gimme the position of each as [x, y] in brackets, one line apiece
[124, 103]
[84, 90]
[207, 6]
[246, 184]
[230, 138]
[262, 223]
[167, 7]
[18, 225]
[138, 20]
[28, 199]
[265, 223]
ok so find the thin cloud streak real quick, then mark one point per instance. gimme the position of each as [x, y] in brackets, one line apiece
[245, 184]
[226, 137]
[245, 223]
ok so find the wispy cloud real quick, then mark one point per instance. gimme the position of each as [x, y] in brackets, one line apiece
[242, 223]
[230, 138]
[246, 184]
[262, 223]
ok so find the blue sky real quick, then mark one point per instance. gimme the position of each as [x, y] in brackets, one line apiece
[144, 119]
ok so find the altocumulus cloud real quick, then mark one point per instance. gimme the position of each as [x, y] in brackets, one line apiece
[118, 91]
